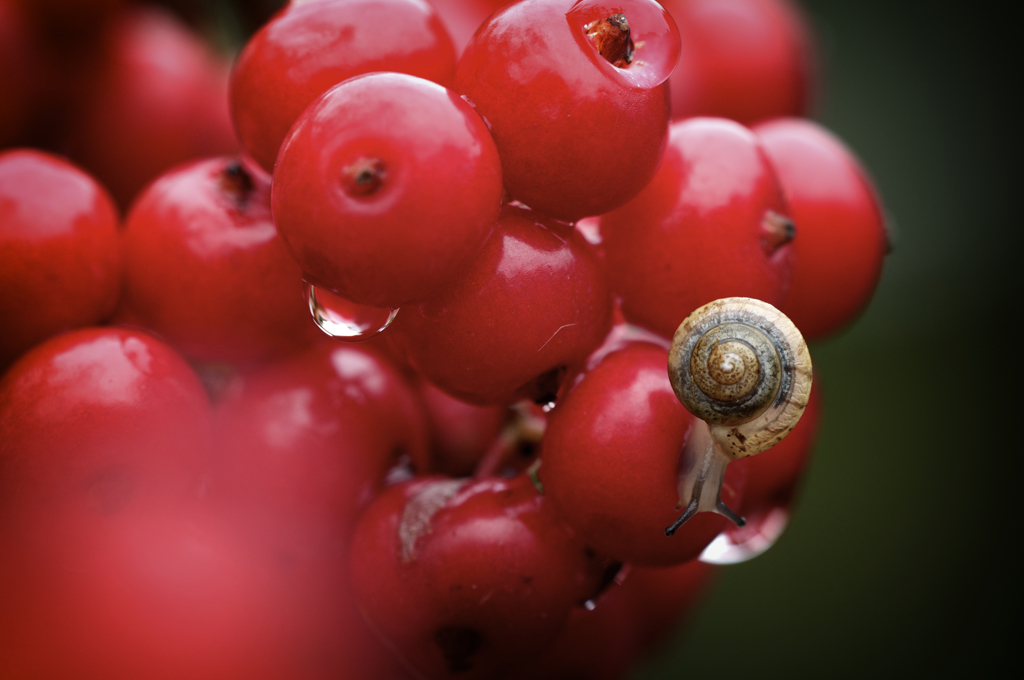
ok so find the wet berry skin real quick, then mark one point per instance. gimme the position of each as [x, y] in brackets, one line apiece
[159, 99]
[712, 223]
[206, 269]
[747, 60]
[464, 578]
[311, 46]
[385, 187]
[611, 461]
[577, 136]
[60, 254]
[97, 419]
[310, 438]
[843, 238]
[532, 304]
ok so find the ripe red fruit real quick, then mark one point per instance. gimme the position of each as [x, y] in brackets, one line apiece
[385, 187]
[632, 617]
[577, 134]
[532, 304]
[206, 269]
[60, 257]
[460, 433]
[463, 17]
[465, 578]
[837, 258]
[712, 223]
[160, 99]
[742, 59]
[310, 438]
[97, 419]
[612, 457]
[163, 594]
[311, 46]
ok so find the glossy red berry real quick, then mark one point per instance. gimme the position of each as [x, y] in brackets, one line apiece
[742, 59]
[612, 457]
[712, 223]
[160, 99]
[466, 578]
[532, 304]
[311, 46]
[385, 187]
[837, 259]
[578, 135]
[463, 17]
[633, 617]
[98, 419]
[206, 269]
[311, 438]
[460, 433]
[162, 594]
[60, 255]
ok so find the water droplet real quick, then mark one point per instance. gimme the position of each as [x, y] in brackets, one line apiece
[739, 544]
[346, 320]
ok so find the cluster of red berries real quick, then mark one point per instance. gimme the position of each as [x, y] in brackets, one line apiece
[513, 220]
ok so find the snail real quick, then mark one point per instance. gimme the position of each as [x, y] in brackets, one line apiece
[743, 369]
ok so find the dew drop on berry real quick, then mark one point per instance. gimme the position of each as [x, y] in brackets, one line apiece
[346, 320]
[739, 544]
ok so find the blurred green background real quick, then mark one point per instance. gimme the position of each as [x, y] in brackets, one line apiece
[901, 559]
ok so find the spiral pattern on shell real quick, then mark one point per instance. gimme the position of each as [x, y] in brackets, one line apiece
[741, 365]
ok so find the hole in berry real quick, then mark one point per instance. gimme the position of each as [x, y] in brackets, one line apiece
[236, 182]
[364, 177]
[632, 41]
[612, 39]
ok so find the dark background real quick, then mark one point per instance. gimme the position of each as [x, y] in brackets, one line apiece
[902, 557]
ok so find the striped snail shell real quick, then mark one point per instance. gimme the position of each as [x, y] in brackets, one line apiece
[741, 365]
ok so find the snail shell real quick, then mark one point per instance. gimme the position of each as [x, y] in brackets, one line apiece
[741, 365]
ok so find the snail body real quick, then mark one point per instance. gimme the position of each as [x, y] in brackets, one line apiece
[743, 368]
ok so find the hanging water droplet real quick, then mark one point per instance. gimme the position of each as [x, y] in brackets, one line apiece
[346, 320]
[739, 544]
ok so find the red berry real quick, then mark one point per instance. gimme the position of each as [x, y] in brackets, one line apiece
[311, 46]
[532, 304]
[160, 99]
[577, 134]
[97, 419]
[461, 433]
[612, 457]
[463, 17]
[162, 594]
[385, 187]
[466, 578]
[712, 223]
[840, 222]
[206, 269]
[742, 59]
[60, 257]
[313, 436]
